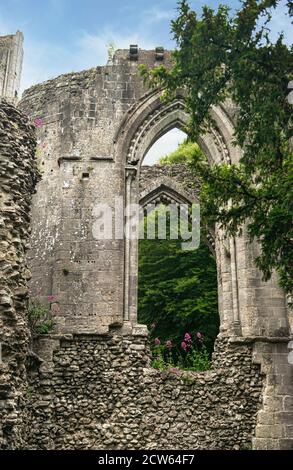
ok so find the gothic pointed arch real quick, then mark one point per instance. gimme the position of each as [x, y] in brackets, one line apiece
[166, 185]
[151, 118]
[143, 125]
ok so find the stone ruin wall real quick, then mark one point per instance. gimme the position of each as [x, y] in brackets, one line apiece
[11, 57]
[90, 385]
[99, 392]
[85, 120]
[80, 115]
[178, 173]
[18, 176]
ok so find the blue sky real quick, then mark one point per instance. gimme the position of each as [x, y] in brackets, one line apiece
[70, 35]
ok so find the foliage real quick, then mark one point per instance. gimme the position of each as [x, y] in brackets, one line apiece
[186, 152]
[191, 355]
[111, 48]
[177, 290]
[222, 56]
[40, 318]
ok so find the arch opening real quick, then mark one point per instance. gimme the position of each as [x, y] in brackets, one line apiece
[177, 289]
[164, 145]
[147, 122]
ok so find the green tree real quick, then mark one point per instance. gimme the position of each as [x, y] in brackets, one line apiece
[186, 153]
[221, 55]
[177, 291]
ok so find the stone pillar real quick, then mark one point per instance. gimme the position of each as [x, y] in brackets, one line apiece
[11, 57]
[131, 249]
[263, 309]
[225, 287]
[274, 430]
[18, 176]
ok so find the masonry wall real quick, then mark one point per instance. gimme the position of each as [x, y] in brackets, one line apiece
[274, 430]
[78, 116]
[94, 388]
[18, 175]
[99, 392]
[178, 173]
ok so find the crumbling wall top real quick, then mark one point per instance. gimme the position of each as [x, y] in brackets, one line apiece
[11, 58]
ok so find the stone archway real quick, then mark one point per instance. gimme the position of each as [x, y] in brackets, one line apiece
[177, 184]
[147, 122]
[240, 298]
[164, 190]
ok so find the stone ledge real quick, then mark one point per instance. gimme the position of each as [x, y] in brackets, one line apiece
[125, 329]
[261, 339]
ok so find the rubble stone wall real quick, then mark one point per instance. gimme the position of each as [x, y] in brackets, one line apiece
[99, 392]
[18, 175]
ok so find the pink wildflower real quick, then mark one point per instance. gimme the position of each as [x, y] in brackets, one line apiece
[52, 298]
[200, 336]
[39, 122]
[187, 338]
[169, 344]
[157, 341]
[184, 345]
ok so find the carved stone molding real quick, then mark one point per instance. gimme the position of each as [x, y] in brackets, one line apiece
[134, 156]
[148, 124]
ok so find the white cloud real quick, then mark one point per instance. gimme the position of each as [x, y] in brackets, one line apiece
[156, 15]
[93, 48]
[44, 60]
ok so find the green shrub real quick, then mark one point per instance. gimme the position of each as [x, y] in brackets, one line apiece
[40, 320]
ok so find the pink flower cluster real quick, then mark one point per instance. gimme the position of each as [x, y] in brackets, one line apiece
[186, 343]
[168, 343]
[187, 338]
[39, 122]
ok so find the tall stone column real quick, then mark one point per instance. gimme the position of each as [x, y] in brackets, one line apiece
[18, 176]
[11, 57]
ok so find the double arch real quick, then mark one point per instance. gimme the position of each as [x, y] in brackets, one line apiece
[241, 301]
[143, 125]
[164, 190]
